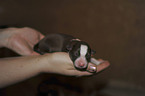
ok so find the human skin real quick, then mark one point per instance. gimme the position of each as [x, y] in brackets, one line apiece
[16, 69]
[20, 40]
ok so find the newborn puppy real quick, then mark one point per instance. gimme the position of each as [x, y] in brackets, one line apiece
[79, 51]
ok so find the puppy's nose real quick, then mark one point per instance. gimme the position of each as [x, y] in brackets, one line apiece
[81, 64]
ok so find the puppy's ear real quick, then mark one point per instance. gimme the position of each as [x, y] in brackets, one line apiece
[69, 47]
[93, 52]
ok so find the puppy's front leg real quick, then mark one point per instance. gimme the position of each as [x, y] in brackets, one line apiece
[95, 61]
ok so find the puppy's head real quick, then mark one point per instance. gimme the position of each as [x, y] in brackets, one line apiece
[80, 53]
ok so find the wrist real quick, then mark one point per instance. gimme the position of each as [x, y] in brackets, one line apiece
[45, 63]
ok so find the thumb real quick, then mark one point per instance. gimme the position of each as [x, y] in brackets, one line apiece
[34, 53]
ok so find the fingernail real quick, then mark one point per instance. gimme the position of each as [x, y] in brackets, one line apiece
[92, 69]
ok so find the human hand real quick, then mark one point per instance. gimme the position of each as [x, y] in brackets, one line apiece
[61, 63]
[20, 40]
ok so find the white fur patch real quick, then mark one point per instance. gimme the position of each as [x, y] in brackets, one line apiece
[83, 50]
[76, 39]
[82, 58]
[96, 62]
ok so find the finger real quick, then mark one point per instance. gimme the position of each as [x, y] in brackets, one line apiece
[80, 73]
[93, 68]
[41, 36]
[34, 53]
[103, 66]
[100, 59]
